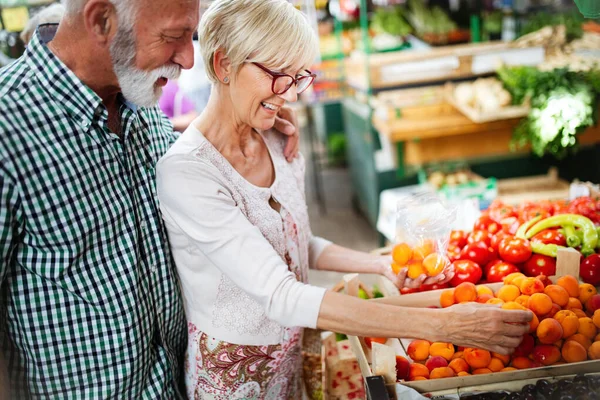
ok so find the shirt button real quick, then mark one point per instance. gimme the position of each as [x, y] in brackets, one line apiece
[153, 267]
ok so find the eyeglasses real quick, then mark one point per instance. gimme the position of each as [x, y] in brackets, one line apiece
[283, 82]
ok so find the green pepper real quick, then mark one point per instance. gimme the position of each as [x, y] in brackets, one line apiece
[525, 227]
[598, 231]
[590, 236]
[340, 336]
[362, 294]
[550, 250]
[573, 239]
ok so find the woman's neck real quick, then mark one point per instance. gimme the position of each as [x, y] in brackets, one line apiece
[220, 126]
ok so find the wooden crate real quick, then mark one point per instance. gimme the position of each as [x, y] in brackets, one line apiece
[516, 191]
[567, 264]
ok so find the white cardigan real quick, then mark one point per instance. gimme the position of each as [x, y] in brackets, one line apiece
[228, 243]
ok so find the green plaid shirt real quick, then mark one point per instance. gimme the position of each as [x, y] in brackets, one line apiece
[90, 305]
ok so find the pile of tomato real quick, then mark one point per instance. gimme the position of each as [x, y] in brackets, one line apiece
[491, 251]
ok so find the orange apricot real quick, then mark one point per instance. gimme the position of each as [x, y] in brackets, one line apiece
[549, 331]
[521, 362]
[495, 364]
[581, 339]
[586, 291]
[401, 254]
[422, 250]
[579, 312]
[495, 301]
[573, 352]
[594, 351]
[418, 350]
[530, 286]
[477, 358]
[597, 338]
[508, 279]
[417, 370]
[558, 294]
[569, 322]
[457, 354]
[459, 365]
[539, 303]
[574, 303]
[442, 372]
[445, 350]
[415, 270]
[463, 373]
[419, 378]
[481, 371]
[505, 358]
[587, 327]
[482, 289]
[522, 300]
[507, 369]
[483, 298]
[435, 263]
[447, 298]
[570, 284]
[396, 268]
[508, 293]
[465, 291]
[596, 318]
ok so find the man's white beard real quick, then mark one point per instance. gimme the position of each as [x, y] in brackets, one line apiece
[137, 86]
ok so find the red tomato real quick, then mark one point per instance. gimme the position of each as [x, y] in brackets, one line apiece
[406, 290]
[499, 211]
[489, 265]
[465, 271]
[497, 238]
[477, 252]
[480, 236]
[540, 265]
[485, 223]
[510, 225]
[498, 271]
[532, 212]
[590, 269]
[435, 286]
[459, 238]
[551, 236]
[453, 252]
[369, 340]
[514, 250]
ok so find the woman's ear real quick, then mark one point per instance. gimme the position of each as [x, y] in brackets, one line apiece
[222, 66]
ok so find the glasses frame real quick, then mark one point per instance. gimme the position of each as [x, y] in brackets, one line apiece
[295, 81]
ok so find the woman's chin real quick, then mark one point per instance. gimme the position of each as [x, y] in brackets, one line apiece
[264, 124]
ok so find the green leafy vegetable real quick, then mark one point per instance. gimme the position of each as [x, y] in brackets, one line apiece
[563, 105]
[426, 21]
[390, 21]
[571, 20]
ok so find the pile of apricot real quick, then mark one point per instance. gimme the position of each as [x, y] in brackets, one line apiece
[565, 329]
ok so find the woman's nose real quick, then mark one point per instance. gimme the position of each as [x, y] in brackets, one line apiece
[291, 95]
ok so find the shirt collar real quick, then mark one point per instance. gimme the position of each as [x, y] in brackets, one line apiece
[81, 102]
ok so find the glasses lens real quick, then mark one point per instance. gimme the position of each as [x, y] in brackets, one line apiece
[282, 83]
[303, 83]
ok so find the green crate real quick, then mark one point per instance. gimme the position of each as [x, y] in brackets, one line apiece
[485, 191]
[589, 8]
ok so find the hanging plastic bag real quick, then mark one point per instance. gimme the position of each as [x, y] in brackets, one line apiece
[423, 225]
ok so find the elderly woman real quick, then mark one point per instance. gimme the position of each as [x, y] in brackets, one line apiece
[238, 225]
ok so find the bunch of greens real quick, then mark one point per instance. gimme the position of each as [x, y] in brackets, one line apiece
[492, 23]
[427, 21]
[563, 104]
[390, 21]
[571, 20]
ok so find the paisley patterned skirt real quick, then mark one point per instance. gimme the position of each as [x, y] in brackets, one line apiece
[219, 370]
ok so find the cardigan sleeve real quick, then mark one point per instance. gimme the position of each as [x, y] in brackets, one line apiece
[195, 200]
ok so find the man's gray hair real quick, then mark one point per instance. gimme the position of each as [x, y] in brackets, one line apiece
[124, 7]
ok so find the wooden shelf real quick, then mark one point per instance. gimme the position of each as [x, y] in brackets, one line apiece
[448, 135]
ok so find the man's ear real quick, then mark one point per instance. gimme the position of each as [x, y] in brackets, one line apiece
[221, 65]
[100, 19]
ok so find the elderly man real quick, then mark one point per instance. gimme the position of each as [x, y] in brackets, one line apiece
[90, 302]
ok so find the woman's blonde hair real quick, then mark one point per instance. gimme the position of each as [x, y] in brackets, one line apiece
[270, 32]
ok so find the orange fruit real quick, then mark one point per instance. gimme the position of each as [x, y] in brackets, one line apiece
[570, 284]
[558, 294]
[574, 303]
[596, 318]
[508, 279]
[447, 298]
[482, 289]
[586, 291]
[573, 352]
[464, 292]
[581, 339]
[435, 263]
[495, 364]
[477, 358]
[401, 254]
[569, 322]
[422, 250]
[539, 303]
[522, 300]
[415, 270]
[508, 293]
[549, 331]
[587, 328]
[530, 286]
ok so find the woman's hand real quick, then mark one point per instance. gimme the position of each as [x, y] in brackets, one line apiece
[401, 280]
[286, 122]
[484, 326]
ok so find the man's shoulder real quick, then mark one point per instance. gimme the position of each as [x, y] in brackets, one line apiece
[14, 78]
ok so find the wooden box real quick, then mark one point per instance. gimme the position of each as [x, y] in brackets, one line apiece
[567, 264]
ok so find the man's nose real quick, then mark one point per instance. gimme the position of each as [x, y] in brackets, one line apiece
[185, 54]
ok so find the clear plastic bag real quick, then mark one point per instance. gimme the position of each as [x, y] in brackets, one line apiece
[423, 225]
